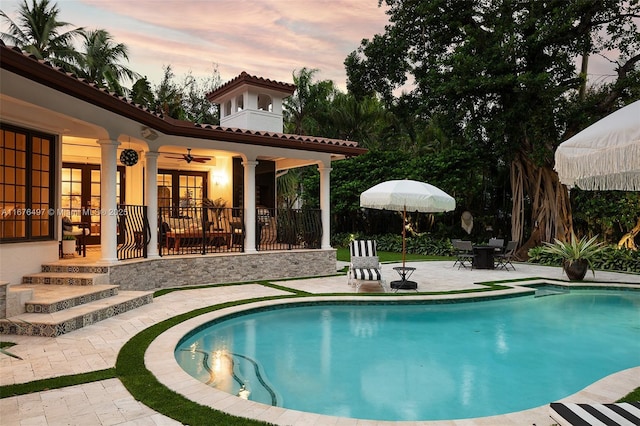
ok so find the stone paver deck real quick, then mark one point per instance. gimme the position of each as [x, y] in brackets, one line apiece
[108, 403]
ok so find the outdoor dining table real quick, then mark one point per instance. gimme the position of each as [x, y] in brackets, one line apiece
[483, 257]
[405, 273]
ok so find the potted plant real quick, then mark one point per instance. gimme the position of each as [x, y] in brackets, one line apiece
[576, 255]
[68, 244]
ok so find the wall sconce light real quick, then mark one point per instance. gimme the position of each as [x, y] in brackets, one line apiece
[219, 179]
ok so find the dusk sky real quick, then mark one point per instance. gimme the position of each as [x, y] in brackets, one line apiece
[267, 38]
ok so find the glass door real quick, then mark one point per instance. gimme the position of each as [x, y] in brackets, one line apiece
[81, 195]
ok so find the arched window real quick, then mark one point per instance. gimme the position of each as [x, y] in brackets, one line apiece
[265, 103]
[239, 103]
[227, 108]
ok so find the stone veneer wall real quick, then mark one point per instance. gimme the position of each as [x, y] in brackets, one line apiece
[4, 285]
[174, 271]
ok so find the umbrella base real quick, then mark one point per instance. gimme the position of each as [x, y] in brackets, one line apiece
[403, 285]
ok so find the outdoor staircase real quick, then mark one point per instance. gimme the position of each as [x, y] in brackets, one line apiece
[64, 298]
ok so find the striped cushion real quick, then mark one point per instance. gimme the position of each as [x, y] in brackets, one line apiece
[596, 414]
[367, 274]
[363, 248]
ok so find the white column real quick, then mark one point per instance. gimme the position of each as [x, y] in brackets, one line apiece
[108, 205]
[325, 205]
[151, 200]
[250, 205]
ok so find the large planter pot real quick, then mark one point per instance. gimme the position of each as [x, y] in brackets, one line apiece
[68, 247]
[575, 269]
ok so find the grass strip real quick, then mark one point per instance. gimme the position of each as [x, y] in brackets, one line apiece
[144, 386]
[56, 383]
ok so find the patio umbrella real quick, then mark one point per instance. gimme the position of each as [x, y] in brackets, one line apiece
[605, 155]
[407, 195]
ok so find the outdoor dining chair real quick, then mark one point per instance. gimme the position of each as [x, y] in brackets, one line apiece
[464, 253]
[498, 243]
[503, 260]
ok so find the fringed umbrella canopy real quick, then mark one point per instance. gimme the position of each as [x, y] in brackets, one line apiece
[407, 195]
[605, 155]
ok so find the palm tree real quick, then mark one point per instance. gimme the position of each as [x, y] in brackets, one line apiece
[100, 61]
[38, 32]
[308, 102]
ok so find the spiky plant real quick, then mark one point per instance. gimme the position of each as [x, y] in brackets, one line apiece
[575, 249]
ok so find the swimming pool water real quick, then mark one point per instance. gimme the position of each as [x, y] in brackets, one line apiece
[420, 362]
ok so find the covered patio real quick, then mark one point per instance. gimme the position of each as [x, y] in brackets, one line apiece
[122, 171]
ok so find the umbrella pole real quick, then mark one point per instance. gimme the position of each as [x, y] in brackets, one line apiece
[404, 230]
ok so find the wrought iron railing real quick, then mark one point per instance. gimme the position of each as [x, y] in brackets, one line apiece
[133, 231]
[286, 229]
[201, 230]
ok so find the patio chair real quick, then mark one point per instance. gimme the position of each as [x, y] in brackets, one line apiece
[503, 260]
[498, 243]
[365, 264]
[464, 253]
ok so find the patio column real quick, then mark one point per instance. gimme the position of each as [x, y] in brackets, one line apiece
[325, 205]
[108, 204]
[250, 205]
[151, 200]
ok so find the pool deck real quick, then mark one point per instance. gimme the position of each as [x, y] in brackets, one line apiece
[107, 402]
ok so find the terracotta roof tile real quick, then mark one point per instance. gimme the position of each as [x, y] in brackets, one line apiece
[245, 78]
[88, 91]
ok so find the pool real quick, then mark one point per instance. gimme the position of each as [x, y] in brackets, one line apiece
[419, 361]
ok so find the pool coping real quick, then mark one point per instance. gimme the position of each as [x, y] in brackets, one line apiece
[160, 360]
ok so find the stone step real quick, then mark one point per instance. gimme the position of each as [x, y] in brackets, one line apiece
[66, 278]
[65, 321]
[48, 298]
[75, 268]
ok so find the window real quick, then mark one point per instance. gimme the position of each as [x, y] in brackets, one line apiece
[181, 189]
[26, 176]
[265, 103]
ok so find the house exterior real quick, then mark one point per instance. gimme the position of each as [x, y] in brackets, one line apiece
[61, 154]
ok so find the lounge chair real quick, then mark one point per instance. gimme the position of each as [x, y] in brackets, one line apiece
[570, 414]
[464, 253]
[365, 264]
[503, 260]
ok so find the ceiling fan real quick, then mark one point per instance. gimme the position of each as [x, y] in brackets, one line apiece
[189, 158]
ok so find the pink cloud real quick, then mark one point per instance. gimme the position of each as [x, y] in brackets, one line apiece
[270, 38]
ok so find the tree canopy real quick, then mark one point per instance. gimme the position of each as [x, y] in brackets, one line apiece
[502, 76]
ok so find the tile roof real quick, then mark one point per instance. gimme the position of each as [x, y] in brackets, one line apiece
[13, 59]
[251, 80]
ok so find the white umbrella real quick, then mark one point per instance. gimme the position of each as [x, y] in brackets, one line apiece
[605, 155]
[407, 195]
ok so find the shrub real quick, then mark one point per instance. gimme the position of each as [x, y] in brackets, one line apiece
[610, 258]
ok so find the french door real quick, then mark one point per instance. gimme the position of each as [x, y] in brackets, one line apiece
[81, 195]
